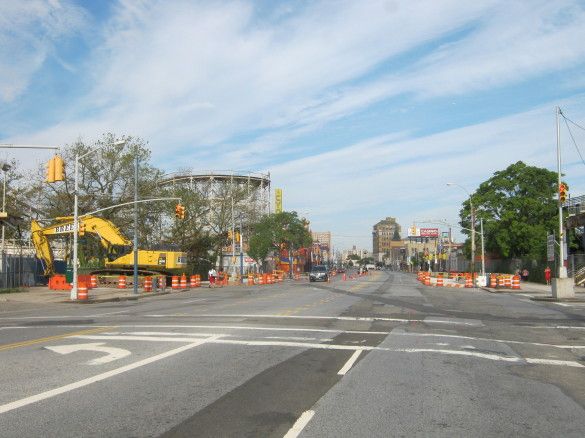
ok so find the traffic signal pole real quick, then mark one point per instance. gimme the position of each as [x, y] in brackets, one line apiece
[562, 267]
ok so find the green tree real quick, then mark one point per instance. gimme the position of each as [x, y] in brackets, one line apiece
[276, 231]
[518, 208]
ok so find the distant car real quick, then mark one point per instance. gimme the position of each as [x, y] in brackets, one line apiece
[319, 273]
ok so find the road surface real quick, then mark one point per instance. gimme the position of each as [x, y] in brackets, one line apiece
[377, 356]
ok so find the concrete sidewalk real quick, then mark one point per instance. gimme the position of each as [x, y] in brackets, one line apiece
[42, 295]
[538, 291]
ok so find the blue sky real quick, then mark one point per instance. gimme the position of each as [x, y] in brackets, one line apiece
[359, 110]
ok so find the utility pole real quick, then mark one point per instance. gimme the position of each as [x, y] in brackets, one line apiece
[482, 248]
[562, 267]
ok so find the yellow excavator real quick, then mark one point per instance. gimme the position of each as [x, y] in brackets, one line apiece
[119, 248]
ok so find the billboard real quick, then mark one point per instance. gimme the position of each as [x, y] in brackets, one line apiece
[278, 200]
[423, 232]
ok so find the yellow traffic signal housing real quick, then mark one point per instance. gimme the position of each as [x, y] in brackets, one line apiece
[81, 231]
[562, 193]
[180, 211]
[55, 169]
[51, 171]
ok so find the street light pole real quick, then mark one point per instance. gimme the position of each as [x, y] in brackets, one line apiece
[482, 248]
[135, 280]
[5, 168]
[472, 266]
[73, 294]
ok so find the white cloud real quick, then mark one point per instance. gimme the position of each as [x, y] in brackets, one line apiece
[407, 177]
[29, 31]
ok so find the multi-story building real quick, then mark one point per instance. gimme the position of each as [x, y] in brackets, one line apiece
[384, 232]
[321, 247]
[361, 253]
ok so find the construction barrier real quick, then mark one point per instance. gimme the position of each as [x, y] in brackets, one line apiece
[122, 282]
[195, 281]
[58, 282]
[147, 285]
[250, 280]
[82, 294]
[493, 281]
[516, 282]
[440, 280]
[183, 282]
[93, 281]
[468, 281]
[175, 282]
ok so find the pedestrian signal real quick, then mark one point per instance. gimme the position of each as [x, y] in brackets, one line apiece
[562, 193]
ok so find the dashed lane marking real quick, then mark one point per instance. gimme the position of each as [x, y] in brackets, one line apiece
[349, 363]
[300, 424]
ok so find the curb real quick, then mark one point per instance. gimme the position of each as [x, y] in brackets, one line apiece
[117, 299]
[558, 300]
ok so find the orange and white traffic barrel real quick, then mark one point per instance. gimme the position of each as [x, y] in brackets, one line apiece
[493, 281]
[250, 280]
[175, 282]
[82, 294]
[93, 281]
[184, 282]
[516, 282]
[427, 279]
[193, 281]
[508, 281]
[468, 281]
[122, 282]
[440, 279]
[147, 284]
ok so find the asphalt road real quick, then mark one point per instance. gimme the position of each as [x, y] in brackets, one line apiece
[377, 356]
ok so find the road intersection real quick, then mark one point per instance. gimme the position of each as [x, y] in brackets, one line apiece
[378, 356]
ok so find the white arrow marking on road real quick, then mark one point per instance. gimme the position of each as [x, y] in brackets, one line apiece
[113, 352]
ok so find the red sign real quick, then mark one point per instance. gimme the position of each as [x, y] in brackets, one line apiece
[429, 232]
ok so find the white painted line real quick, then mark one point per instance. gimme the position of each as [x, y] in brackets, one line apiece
[339, 318]
[194, 301]
[236, 327]
[103, 376]
[308, 345]
[504, 341]
[563, 304]
[300, 424]
[349, 363]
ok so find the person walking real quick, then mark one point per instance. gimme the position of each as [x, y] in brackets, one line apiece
[212, 275]
[525, 274]
[547, 273]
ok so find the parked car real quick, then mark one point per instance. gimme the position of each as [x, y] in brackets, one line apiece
[319, 273]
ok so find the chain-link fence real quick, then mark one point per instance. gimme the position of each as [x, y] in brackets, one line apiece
[19, 271]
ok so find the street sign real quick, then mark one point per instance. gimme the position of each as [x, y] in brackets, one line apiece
[550, 247]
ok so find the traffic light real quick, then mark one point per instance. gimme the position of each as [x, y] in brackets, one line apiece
[180, 211]
[230, 235]
[81, 231]
[562, 193]
[55, 169]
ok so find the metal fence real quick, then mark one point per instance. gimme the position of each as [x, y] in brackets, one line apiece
[19, 271]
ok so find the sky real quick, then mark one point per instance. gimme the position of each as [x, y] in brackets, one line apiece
[358, 109]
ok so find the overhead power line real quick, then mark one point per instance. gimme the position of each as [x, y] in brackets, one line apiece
[574, 142]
